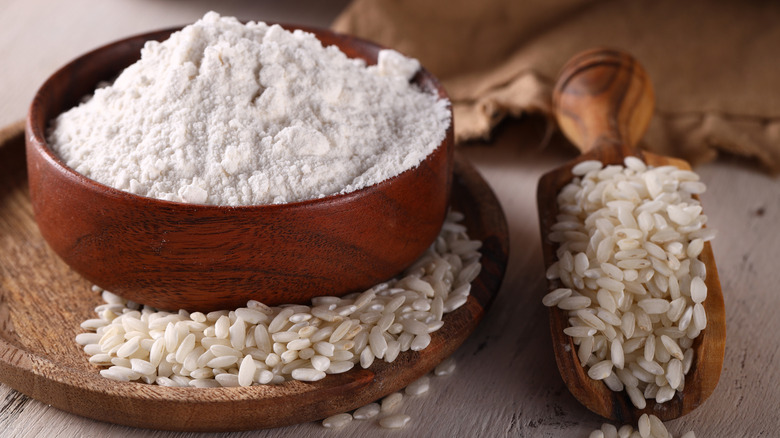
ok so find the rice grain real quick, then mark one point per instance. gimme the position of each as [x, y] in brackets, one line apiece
[395, 421]
[391, 402]
[337, 421]
[366, 412]
[419, 386]
[307, 374]
[628, 273]
[258, 344]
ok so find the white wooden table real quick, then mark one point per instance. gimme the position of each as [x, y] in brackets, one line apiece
[506, 382]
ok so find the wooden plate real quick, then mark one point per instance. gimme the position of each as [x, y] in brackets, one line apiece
[42, 303]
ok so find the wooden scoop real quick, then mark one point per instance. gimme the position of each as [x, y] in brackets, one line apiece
[603, 102]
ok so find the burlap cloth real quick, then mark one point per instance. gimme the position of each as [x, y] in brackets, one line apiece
[715, 65]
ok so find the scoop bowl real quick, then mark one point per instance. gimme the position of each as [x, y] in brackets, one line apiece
[603, 101]
[203, 257]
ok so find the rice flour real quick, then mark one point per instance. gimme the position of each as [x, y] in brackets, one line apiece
[225, 113]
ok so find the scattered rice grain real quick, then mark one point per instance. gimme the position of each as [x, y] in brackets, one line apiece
[337, 421]
[366, 412]
[445, 368]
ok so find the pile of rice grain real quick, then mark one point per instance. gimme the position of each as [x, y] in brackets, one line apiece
[629, 240]
[258, 344]
[648, 426]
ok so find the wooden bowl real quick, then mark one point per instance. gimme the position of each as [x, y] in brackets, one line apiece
[202, 257]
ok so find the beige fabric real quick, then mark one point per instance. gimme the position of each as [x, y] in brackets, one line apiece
[715, 65]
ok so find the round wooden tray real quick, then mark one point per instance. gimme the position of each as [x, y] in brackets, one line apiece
[42, 303]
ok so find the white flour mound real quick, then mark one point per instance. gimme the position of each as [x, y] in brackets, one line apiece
[224, 113]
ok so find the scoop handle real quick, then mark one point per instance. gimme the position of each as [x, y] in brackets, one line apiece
[603, 98]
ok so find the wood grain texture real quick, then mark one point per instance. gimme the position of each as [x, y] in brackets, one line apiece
[201, 257]
[39, 290]
[601, 98]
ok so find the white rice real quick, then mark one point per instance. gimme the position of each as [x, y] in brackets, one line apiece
[337, 421]
[367, 412]
[258, 344]
[386, 409]
[391, 402]
[395, 421]
[644, 426]
[628, 274]
[445, 368]
[418, 387]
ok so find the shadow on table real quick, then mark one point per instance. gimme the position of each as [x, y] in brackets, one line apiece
[511, 349]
